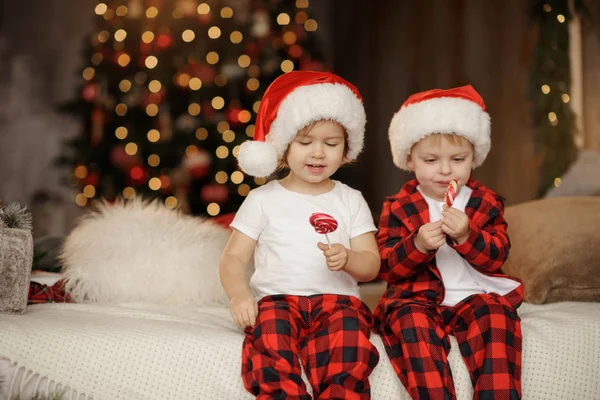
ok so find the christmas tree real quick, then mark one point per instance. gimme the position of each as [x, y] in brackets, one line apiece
[170, 90]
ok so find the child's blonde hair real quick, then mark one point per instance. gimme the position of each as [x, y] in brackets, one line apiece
[282, 164]
[453, 138]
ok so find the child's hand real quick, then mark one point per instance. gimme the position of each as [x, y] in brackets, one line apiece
[455, 224]
[244, 310]
[430, 237]
[336, 257]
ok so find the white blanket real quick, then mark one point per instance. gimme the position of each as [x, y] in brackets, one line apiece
[142, 351]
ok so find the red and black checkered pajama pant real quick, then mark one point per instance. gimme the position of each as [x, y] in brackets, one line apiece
[488, 331]
[330, 333]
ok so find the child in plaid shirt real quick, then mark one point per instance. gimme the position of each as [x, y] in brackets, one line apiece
[303, 300]
[442, 263]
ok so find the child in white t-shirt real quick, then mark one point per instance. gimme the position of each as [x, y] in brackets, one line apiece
[303, 299]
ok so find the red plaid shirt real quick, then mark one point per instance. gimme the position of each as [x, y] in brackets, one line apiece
[413, 276]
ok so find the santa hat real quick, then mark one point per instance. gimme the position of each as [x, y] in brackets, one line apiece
[460, 111]
[293, 101]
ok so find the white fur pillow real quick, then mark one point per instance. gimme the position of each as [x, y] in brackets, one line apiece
[144, 252]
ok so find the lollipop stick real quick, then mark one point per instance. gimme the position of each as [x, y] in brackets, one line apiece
[328, 242]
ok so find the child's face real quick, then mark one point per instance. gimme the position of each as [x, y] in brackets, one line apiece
[437, 159]
[317, 152]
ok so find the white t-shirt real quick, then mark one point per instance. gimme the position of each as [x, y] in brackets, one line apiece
[287, 259]
[457, 273]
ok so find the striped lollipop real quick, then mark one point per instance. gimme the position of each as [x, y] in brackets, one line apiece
[451, 192]
[323, 224]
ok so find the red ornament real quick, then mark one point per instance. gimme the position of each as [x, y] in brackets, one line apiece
[122, 160]
[90, 91]
[206, 73]
[164, 40]
[98, 117]
[233, 116]
[214, 193]
[198, 164]
[137, 176]
[252, 49]
[165, 184]
[91, 179]
[308, 64]
[295, 51]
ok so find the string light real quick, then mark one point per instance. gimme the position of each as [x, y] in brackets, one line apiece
[147, 37]
[203, 9]
[153, 160]
[129, 193]
[221, 177]
[310, 25]
[81, 200]
[80, 172]
[236, 37]
[121, 132]
[243, 190]
[154, 86]
[191, 150]
[194, 109]
[228, 136]
[222, 152]
[243, 61]
[120, 35]
[101, 9]
[212, 57]
[188, 35]
[283, 19]
[545, 89]
[151, 12]
[557, 182]
[89, 191]
[121, 109]
[226, 12]
[217, 102]
[131, 148]
[171, 202]
[154, 183]
[88, 73]
[222, 126]
[287, 66]
[201, 133]
[560, 18]
[213, 209]
[151, 62]
[153, 135]
[152, 110]
[195, 83]
[237, 177]
[214, 32]
[122, 11]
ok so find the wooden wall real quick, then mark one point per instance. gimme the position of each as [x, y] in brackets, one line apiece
[399, 47]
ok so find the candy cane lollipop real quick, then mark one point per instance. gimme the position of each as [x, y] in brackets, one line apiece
[451, 192]
[323, 224]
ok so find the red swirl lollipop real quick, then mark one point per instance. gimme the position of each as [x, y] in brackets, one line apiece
[323, 224]
[451, 192]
